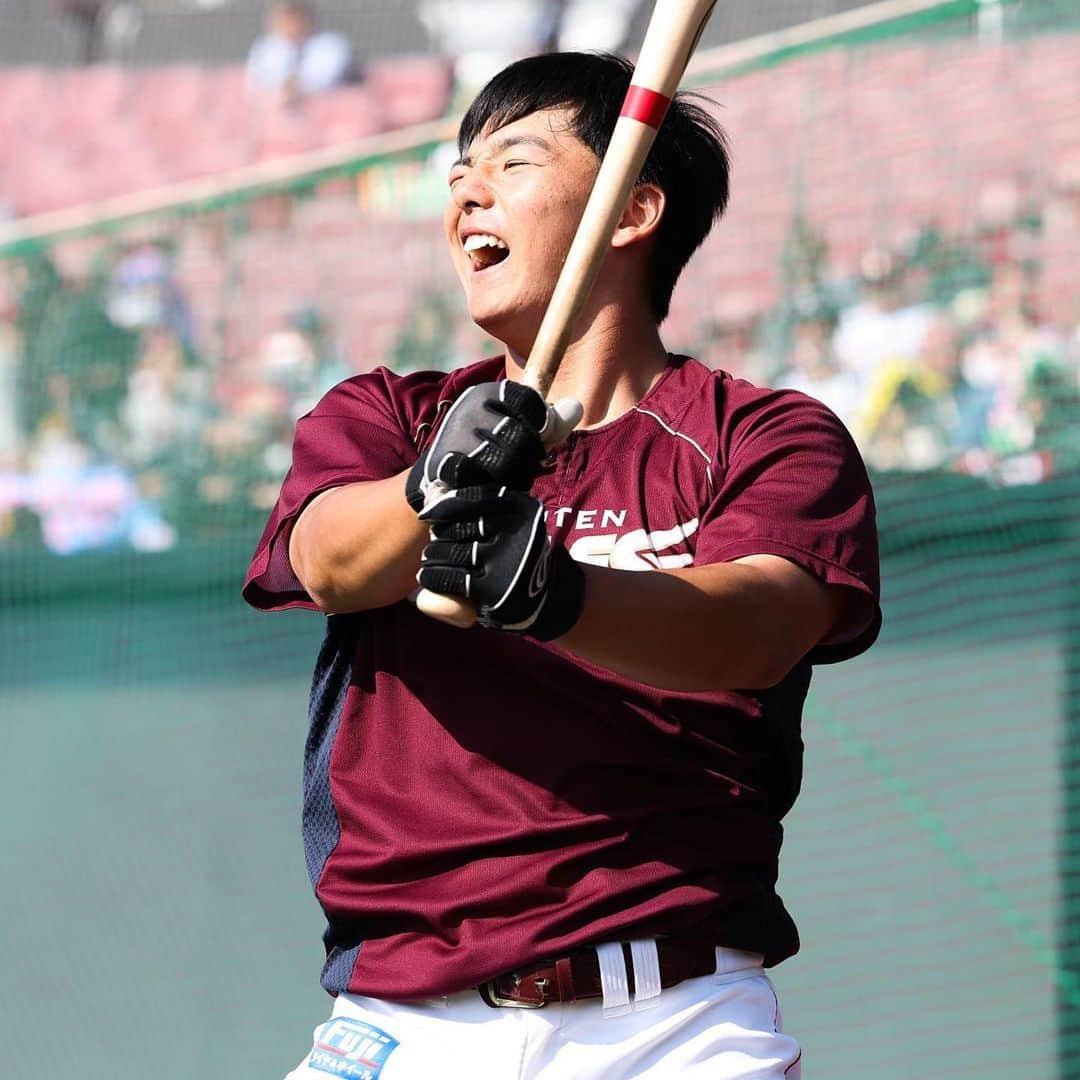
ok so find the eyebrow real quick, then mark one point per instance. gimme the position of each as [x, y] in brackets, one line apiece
[507, 142]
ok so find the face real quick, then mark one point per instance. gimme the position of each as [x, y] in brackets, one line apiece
[292, 24]
[515, 201]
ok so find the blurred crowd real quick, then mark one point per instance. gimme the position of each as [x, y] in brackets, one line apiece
[936, 354]
[116, 430]
[118, 427]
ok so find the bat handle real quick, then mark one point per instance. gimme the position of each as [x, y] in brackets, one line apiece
[563, 416]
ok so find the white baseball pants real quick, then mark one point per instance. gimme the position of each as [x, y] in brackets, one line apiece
[725, 1026]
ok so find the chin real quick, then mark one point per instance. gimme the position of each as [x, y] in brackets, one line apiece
[515, 329]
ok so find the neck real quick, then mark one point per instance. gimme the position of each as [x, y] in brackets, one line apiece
[609, 366]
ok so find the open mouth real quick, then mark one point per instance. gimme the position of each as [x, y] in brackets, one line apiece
[485, 251]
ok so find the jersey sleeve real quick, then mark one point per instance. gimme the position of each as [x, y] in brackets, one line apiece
[792, 483]
[365, 428]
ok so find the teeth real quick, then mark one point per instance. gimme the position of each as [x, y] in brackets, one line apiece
[479, 240]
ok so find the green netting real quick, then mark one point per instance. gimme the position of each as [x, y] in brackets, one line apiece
[904, 239]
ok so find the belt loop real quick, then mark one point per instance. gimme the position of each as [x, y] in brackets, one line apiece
[564, 980]
[646, 974]
[728, 961]
[613, 981]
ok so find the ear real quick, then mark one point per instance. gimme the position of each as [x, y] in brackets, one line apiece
[641, 215]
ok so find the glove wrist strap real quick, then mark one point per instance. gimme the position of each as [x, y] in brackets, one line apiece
[565, 598]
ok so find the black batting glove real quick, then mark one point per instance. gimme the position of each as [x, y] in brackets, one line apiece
[490, 435]
[489, 546]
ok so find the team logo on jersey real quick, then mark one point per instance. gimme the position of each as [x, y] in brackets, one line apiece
[637, 549]
[351, 1048]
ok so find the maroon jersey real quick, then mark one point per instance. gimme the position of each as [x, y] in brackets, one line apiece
[473, 800]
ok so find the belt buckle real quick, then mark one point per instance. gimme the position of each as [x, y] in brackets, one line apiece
[490, 993]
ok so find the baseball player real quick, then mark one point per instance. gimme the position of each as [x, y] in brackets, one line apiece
[546, 846]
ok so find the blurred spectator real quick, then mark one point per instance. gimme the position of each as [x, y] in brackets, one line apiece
[88, 18]
[941, 267]
[164, 404]
[107, 29]
[814, 369]
[301, 361]
[77, 361]
[883, 325]
[960, 409]
[809, 290]
[239, 460]
[85, 504]
[483, 36]
[244, 446]
[142, 294]
[1007, 346]
[805, 259]
[923, 413]
[1052, 400]
[292, 60]
[120, 30]
[426, 341]
[729, 336]
[1007, 225]
[69, 499]
[595, 24]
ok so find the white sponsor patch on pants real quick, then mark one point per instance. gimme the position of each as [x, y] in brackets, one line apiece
[350, 1048]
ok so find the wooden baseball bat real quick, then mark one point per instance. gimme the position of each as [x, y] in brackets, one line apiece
[670, 40]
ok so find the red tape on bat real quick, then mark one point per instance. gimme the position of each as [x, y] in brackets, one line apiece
[645, 105]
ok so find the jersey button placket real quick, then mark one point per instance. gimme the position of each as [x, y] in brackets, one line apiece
[564, 456]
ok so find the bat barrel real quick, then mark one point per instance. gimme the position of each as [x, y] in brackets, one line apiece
[673, 32]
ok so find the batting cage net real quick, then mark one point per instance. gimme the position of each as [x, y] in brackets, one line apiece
[190, 260]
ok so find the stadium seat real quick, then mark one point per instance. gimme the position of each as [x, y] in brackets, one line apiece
[279, 130]
[328, 219]
[227, 104]
[45, 182]
[90, 100]
[174, 93]
[23, 89]
[212, 155]
[343, 115]
[410, 89]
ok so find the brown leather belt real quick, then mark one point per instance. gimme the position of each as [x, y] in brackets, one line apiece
[577, 976]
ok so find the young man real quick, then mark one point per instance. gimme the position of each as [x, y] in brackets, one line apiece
[547, 846]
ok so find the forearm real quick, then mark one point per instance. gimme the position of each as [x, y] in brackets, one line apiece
[358, 546]
[721, 627]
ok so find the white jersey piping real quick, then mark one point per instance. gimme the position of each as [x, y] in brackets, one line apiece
[679, 435]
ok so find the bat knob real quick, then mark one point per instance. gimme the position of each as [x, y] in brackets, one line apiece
[447, 609]
[562, 417]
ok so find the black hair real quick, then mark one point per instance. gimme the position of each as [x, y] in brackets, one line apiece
[689, 160]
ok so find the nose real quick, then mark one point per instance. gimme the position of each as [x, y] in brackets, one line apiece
[472, 193]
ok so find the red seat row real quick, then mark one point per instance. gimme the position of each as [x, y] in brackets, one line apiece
[75, 136]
